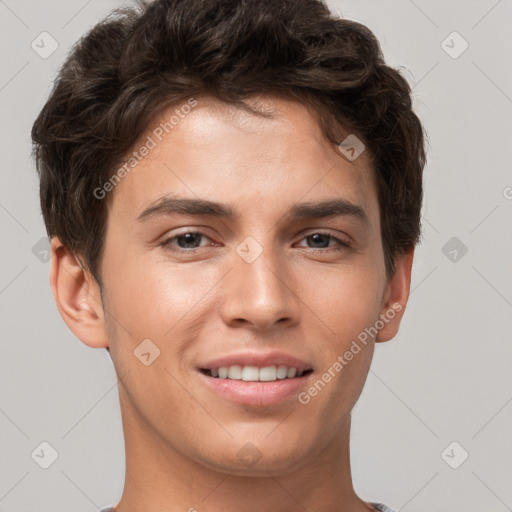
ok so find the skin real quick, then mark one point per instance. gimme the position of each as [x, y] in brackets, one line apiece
[182, 439]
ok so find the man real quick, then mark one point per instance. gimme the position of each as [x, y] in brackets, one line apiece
[233, 192]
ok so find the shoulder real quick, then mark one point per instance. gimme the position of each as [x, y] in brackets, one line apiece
[381, 507]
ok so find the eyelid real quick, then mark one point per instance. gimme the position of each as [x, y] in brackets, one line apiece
[166, 242]
[335, 233]
[341, 244]
[324, 232]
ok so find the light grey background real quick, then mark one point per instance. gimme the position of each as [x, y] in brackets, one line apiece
[446, 377]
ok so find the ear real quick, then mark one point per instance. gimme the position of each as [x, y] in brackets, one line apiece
[395, 297]
[78, 298]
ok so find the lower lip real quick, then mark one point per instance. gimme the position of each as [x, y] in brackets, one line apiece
[257, 393]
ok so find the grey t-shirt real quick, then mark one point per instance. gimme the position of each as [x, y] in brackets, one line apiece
[379, 506]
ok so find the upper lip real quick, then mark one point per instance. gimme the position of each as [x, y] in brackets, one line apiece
[260, 359]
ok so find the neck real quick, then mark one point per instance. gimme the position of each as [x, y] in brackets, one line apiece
[160, 477]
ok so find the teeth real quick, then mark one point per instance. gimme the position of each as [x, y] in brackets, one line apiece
[268, 373]
[253, 373]
[235, 372]
[291, 372]
[250, 373]
[282, 372]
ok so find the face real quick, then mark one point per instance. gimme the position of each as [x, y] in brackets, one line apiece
[285, 269]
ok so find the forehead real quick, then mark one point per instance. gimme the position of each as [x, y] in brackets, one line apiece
[217, 151]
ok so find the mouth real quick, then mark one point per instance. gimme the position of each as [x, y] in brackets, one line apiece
[251, 373]
[258, 379]
[256, 386]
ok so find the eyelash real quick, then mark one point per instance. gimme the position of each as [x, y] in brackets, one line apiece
[166, 244]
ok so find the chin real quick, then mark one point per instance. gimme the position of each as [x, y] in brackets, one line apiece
[249, 460]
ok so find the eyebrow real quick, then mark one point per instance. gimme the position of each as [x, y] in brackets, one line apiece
[169, 205]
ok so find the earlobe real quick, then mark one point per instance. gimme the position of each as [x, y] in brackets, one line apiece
[396, 297]
[77, 296]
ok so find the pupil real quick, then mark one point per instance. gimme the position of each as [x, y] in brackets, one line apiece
[189, 238]
[318, 236]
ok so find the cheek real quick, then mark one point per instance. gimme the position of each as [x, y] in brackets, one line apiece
[347, 299]
[161, 303]
[155, 299]
[349, 305]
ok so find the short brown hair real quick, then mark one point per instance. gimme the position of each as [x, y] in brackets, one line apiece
[139, 60]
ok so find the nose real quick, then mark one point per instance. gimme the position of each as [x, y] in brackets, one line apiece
[260, 295]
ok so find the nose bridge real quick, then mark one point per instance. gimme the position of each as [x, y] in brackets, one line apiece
[259, 293]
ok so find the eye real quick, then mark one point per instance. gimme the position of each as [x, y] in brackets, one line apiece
[321, 240]
[186, 241]
[189, 241]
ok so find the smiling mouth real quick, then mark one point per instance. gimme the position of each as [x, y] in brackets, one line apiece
[249, 373]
